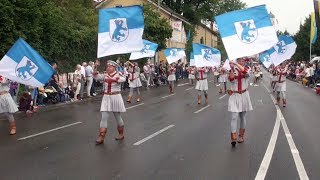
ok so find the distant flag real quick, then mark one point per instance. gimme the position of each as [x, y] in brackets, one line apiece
[189, 35]
[314, 29]
[316, 5]
[192, 62]
[149, 50]
[120, 30]
[98, 1]
[226, 65]
[24, 65]
[205, 56]
[283, 50]
[246, 32]
[174, 54]
[265, 59]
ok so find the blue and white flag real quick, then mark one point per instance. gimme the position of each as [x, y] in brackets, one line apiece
[283, 50]
[246, 32]
[174, 54]
[120, 30]
[149, 50]
[205, 56]
[226, 65]
[192, 61]
[24, 65]
[265, 59]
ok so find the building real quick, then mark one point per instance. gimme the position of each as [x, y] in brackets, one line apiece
[204, 34]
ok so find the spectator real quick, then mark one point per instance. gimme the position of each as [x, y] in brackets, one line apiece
[41, 96]
[89, 78]
[25, 103]
[77, 82]
[83, 79]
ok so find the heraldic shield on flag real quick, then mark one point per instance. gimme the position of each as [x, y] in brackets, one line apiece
[24, 65]
[246, 31]
[149, 50]
[206, 56]
[281, 47]
[26, 69]
[120, 30]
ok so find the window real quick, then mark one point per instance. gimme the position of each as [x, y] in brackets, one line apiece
[201, 40]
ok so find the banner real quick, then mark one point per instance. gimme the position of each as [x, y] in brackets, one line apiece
[24, 65]
[120, 30]
[246, 32]
[283, 50]
[174, 54]
[206, 56]
[149, 50]
[192, 61]
[316, 5]
[314, 29]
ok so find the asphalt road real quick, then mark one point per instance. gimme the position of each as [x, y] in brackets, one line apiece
[188, 141]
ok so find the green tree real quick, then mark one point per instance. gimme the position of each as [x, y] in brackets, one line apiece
[302, 39]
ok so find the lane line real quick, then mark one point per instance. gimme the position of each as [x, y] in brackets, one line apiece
[51, 130]
[189, 89]
[294, 151]
[211, 81]
[179, 85]
[153, 135]
[202, 109]
[168, 96]
[134, 106]
[222, 96]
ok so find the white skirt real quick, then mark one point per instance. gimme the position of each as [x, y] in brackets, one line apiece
[172, 77]
[112, 103]
[281, 86]
[223, 78]
[7, 105]
[274, 78]
[191, 76]
[202, 85]
[240, 102]
[135, 83]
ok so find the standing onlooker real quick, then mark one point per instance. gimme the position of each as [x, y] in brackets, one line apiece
[147, 72]
[77, 81]
[55, 77]
[83, 78]
[307, 75]
[88, 72]
[14, 89]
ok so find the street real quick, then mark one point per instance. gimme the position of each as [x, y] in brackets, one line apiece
[169, 137]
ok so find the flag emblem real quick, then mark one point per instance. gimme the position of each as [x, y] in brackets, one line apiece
[174, 52]
[145, 49]
[207, 54]
[281, 47]
[265, 57]
[119, 29]
[26, 69]
[246, 31]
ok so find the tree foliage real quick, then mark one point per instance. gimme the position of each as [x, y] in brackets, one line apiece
[61, 31]
[302, 39]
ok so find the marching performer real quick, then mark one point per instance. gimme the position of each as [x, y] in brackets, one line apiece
[7, 105]
[191, 76]
[273, 77]
[281, 85]
[112, 102]
[171, 77]
[134, 80]
[239, 101]
[202, 83]
[223, 79]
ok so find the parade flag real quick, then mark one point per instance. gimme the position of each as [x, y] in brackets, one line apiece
[314, 29]
[192, 62]
[226, 65]
[189, 35]
[316, 5]
[120, 30]
[24, 65]
[246, 32]
[265, 59]
[205, 56]
[283, 50]
[149, 50]
[174, 54]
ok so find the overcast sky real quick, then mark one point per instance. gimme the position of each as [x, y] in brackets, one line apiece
[289, 13]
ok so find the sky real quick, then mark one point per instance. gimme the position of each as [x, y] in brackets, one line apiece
[289, 13]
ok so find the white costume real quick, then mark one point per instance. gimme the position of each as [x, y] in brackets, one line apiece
[202, 83]
[191, 71]
[134, 77]
[239, 101]
[172, 74]
[7, 105]
[223, 76]
[281, 80]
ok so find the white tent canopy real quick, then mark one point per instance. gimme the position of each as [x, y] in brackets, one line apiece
[315, 59]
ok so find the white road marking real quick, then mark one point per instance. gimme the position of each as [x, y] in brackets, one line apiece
[189, 89]
[270, 149]
[202, 109]
[269, 152]
[168, 96]
[51, 130]
[153, 135]
[222, 96]
[179, 85]
[134, 106]
[211, 81]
